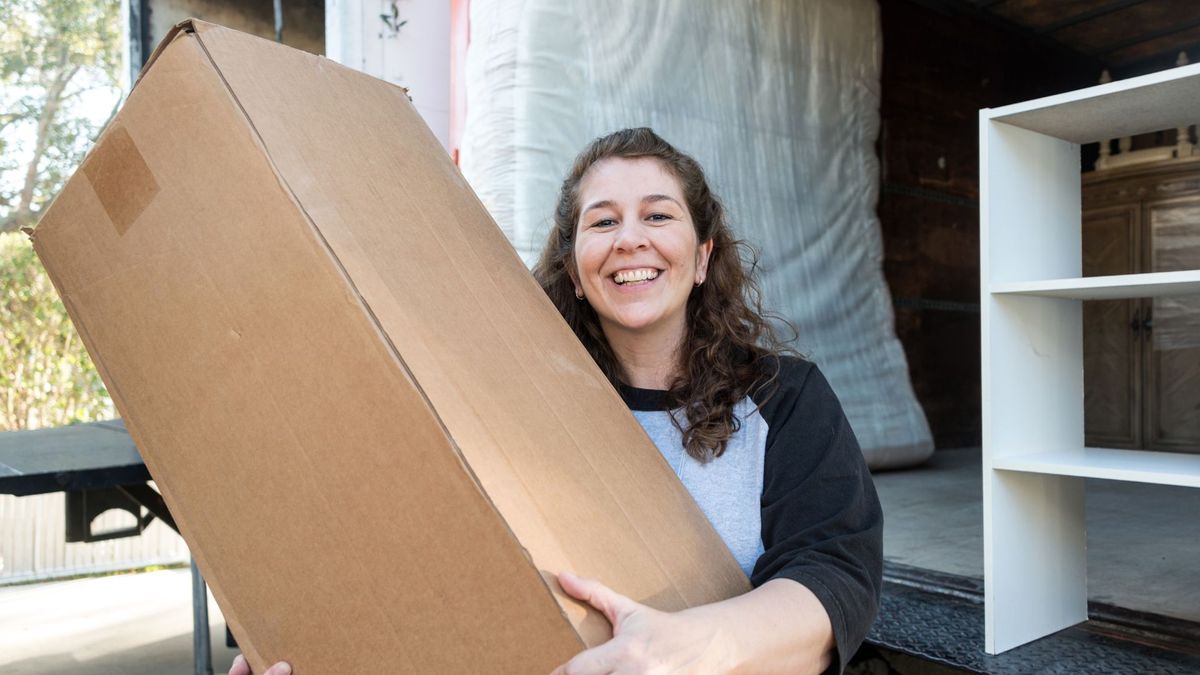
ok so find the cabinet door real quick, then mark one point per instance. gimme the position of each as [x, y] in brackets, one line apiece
[1172, 351]
[1112, 352]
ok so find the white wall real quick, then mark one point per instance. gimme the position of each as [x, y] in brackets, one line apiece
[415, 55]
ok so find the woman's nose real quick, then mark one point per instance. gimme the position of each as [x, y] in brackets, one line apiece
[631, 235]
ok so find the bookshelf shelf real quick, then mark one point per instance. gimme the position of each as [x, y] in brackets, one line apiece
[1148, 285]
[1163, 468]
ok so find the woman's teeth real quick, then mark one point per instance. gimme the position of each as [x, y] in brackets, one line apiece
[634, 276]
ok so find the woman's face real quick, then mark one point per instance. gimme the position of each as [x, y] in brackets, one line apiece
[637, 256]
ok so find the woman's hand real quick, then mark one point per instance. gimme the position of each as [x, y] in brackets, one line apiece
[240, 667]
[646, 640]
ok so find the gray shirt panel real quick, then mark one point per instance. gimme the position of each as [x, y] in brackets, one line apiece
[727, 489]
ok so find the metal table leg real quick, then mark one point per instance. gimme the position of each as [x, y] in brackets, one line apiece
[201, 644]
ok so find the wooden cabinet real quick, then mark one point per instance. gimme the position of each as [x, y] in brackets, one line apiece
[1142, 355]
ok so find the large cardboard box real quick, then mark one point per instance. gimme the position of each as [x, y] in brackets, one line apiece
[375, 432]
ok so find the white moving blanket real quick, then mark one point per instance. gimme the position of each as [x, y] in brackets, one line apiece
[777, 99]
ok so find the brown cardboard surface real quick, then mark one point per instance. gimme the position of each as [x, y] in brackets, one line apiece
[374, 430]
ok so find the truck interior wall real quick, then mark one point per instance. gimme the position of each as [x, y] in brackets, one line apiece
[939, 69]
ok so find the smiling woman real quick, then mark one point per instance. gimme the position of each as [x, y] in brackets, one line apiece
[644, 268]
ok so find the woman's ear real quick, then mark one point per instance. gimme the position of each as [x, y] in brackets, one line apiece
[703, 253]
[575, 281]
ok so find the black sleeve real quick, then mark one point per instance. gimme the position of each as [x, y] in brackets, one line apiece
[821, 521]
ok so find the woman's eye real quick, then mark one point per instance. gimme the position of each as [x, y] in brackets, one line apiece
[658, 217]
[607, 222]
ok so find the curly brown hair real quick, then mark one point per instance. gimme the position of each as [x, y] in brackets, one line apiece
[730, 347]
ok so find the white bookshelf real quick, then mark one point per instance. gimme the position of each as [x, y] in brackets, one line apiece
[1031, 286]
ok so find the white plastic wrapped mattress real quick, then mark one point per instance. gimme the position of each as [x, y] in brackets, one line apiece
[777, 99]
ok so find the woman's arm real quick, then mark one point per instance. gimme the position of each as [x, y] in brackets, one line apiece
[822, 525]
[779, 627]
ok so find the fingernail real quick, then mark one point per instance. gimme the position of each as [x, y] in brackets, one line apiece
[280, 669]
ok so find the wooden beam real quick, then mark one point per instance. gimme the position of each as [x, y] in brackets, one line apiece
[1094, 13]
[978, 10]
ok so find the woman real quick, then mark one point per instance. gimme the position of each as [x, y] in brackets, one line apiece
[643, 267]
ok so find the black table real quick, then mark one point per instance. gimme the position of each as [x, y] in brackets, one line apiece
[77, 457]
[98, 468]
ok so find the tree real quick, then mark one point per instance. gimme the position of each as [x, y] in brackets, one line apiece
[59, 84]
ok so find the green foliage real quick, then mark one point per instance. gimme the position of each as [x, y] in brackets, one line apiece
[60, 64]
[46, 376]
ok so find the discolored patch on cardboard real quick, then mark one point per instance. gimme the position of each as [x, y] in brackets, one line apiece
[120, 178]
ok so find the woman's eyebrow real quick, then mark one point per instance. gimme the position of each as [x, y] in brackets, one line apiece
[602, 204]
[660, 198]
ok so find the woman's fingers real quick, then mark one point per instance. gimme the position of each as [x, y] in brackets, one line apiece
[241, 667]
[612, 604]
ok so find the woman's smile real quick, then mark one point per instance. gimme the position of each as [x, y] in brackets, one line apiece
[635, 277]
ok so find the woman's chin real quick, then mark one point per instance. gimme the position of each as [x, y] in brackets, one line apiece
[637, 322]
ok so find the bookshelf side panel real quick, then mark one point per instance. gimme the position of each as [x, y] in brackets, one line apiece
[1031, 206]
[1035, 386]
[1035, 557]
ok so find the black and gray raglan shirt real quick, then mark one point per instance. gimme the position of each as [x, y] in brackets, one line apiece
[791, 496]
